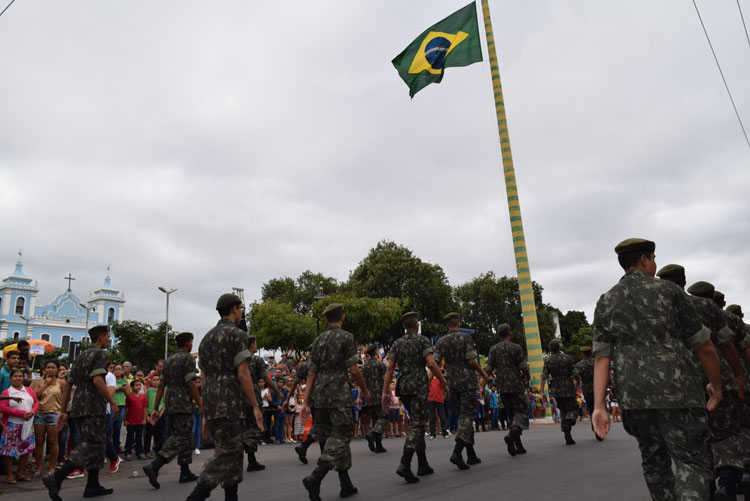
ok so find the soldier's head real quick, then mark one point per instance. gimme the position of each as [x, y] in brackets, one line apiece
[719, 299]
[637, 254]
[371, 351]
[410, 321]
[252, 344]
[736, 309]
[334, 314]
[184, 341]
[702, 289]
[673, 273]
[554, 346]
[586, 351]
[100, 336]
[504, 331]
[452, 321]
[230, 307]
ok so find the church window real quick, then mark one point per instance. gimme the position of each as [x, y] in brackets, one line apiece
[65, 342]
[16, 335]
[45, 337]
[110, 315]
[20, 303]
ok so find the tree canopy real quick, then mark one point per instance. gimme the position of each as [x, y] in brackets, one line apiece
[140, 343]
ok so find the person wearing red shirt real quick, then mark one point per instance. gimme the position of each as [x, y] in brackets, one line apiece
[436, 402]
[136, 405]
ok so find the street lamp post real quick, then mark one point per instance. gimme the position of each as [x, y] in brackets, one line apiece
[88, 312]
[26, 332]
[317, 297]
[166, 328]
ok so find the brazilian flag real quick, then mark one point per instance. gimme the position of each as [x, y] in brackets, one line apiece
[454, 41]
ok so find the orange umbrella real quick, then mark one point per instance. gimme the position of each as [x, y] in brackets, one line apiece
[34, 345]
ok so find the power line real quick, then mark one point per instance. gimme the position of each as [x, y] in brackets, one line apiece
[6, 7]
[722, 74]
[743, 22]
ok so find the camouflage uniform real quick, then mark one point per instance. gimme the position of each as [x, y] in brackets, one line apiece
[585, 371]
[221, 351]
[458, 348]
[742, 343]
[179, 370]
[507, 359]
[252, 435]
[412, 386]
[332, 353]
[373, 372]
[89, 409]
[560, 366]
[649, 328]
[726, 442]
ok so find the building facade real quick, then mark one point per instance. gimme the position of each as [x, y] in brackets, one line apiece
[64, 320]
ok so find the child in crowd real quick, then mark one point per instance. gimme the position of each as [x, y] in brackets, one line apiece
[136, 405]
[299, 421]
[154, 433]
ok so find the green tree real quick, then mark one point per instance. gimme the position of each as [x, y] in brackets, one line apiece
[570, 324]
[300, 293]
[140, 343]
[584, 337]
[276, 324]
[369, 319]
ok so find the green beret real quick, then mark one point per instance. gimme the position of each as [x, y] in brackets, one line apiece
[718, 296]
[410, 314]
[634, 245]
[702, 289]
[451, 316]
[371, 349]
[227, 300]
[333, 307]
[585, 349]
[97, 329]
[671, 270]
[735, 308]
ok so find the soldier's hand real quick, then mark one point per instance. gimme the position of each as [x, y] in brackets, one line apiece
[385, 402]
[714, 397]
[600, 420]
[258, 417]
[741, 387]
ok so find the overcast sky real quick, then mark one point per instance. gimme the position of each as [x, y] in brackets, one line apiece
[206, 145]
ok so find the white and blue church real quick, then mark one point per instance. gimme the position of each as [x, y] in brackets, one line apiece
[64, 320]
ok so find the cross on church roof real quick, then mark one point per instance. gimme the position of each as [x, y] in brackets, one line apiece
[69, 278]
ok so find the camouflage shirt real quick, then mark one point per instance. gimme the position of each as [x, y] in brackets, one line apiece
[560, 366]
[257, 368]
[302, 370]
[457, 348]
[221, 351]
[87, 401]
[585, 370]
[741, 337]
[720, 334]
[409, 352]
[179, 370]
[331, 355]
[649, 328]
[506, 357]
[373, 372]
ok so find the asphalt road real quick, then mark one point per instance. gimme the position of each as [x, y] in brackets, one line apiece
[551, 470]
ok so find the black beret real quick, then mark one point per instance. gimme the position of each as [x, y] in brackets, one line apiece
[97, 329]
[371, 349]
[333, 307]
[634, 245]
[408, 315]
[227, 300]
[702, 289]
[671, 270]
[451, 316]
[735, 308]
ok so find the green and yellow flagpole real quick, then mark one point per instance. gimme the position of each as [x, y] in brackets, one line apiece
[528, 307]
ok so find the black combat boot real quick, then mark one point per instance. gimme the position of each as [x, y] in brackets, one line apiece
[728, 479]
[404, 467]
[93, 487]
[53, 481]
[423, 468]
[253, 464]
[379, 445]
[511, 444]
[457, 458]
[471, 456]
[186, 475]
[152, 470]
[745, 482]
[371, 438]
[519, 446]
[568, 437]
[230, 493]
[301, 449]
[347, 488]
[312, 482]
[200, 493]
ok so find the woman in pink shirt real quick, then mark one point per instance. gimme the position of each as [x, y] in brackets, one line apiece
[18, 438]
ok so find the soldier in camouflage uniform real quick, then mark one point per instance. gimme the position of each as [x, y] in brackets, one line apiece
[89, 411]
[585, 371]
[507, 360]
[252, 435]
[373, 371]
[733, 315]
[314, 434]
[649, 328]
[412, 352]
[460, 354]
[332, 353]
[179, 378]
[559, 365]
[223, 356]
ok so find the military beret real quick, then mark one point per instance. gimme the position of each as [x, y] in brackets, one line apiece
[408, 315]
[97, 329]
[452, 315]
[585, 349]
[333, 307]
[718, 296]
[371, 349]
[735, 308]
[702, 289]
[671, 270]
[503, 328]
[227, 300]
[634, 245]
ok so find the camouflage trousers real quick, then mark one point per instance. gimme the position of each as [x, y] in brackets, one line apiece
[378, 418]
[465, 403]
[518, 409]
[225, 466]
[335, 426]
[666, 435]
[89, 453]
[568, 411]
[252, 434]
[416, 406]
[743, 412]
[726, 438]
[180, 444]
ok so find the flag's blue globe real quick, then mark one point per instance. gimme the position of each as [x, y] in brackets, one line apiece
[435, 51]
